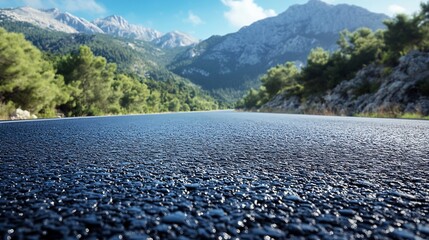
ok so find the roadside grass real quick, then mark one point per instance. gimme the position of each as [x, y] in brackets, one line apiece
[390, 115]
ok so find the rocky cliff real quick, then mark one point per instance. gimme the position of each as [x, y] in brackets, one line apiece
[376, 90]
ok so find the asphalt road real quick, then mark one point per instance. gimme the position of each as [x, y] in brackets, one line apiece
[215, 175]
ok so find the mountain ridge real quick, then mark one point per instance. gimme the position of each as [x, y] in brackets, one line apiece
[114, 25]
[117, 26]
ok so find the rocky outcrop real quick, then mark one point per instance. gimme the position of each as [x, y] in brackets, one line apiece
[375, 89]
[20, 114]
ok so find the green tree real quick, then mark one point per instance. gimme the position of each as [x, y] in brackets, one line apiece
[424, 26]
[26, 79]
[93, 77]
[174, 105]
[402, 35]
[312, 74]
[280, 77]
[134, 94]
[357, 49]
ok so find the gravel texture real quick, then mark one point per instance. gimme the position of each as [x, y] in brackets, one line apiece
[215, 175]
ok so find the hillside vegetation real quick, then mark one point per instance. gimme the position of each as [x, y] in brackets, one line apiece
[357, 50]
[80, 83]
[130, 55]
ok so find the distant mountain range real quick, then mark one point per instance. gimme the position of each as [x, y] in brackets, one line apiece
[236, 60]
[117, 26]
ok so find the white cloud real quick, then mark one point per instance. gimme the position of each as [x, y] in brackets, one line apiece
[396, 9]
[88, 6]
[83, 6]
[245, 12]
[194, 19]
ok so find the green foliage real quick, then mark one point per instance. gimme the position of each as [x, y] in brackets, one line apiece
[131, 95]
[83, 84]
[98, 89]
[131, 56]
[26, 79]
[312, 76]
[423, 87]
[250, 100]
[93, 78]
[227, 96]
[279, 77]
[402, 35]
[367, 87]
[406, 33]
[324, 71]
[6, 109]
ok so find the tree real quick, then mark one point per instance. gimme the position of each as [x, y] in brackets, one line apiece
[357, 49]
[424, 26]
[312, 74]
[93, 78]
[133, 94]
[174, 105]
[402, 35]
[279, 77]
[26, 79]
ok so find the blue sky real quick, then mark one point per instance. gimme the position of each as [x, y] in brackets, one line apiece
[200, 18]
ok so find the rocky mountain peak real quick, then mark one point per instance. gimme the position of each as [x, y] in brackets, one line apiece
[175, 39]
[117, 26]
[55, 19]
[41, 18]
[115, 19]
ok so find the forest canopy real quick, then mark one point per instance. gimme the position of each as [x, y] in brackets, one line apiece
[82, 84]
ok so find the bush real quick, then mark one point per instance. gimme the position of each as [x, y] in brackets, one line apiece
[6, 109]
[423, 87]
[367, 87]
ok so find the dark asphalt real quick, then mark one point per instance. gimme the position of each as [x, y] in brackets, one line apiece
[222, 175]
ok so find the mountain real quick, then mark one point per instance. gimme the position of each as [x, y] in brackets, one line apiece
[81, 25]
[175, 39]
[238, 59]
[51, 19]
[118, 26]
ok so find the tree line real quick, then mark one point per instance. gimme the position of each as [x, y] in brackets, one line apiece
[325, 70]
[82, 84]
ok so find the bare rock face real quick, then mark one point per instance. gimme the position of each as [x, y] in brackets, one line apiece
[375, 89]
